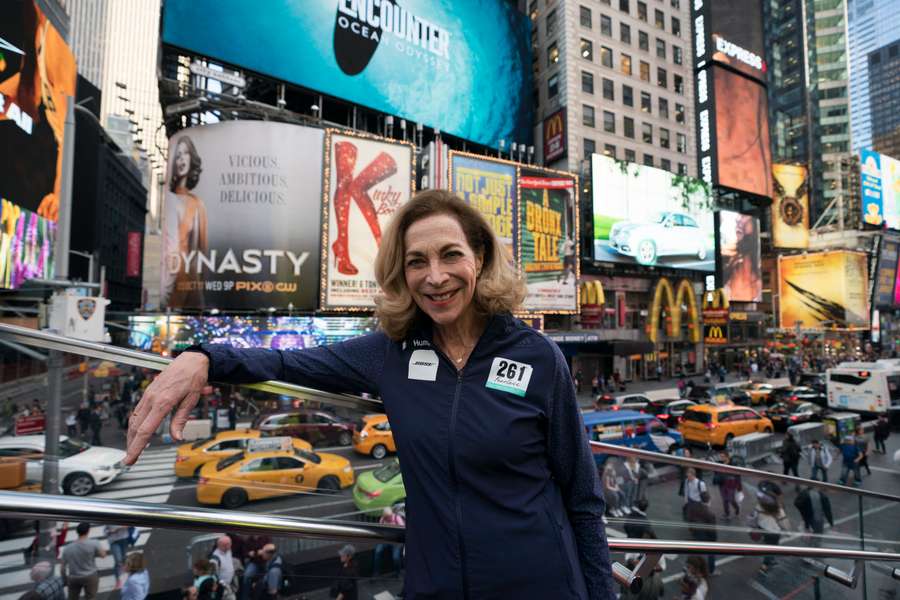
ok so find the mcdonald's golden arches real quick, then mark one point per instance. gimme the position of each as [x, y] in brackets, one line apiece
[592, 293]
[673, 302]
[716, 298]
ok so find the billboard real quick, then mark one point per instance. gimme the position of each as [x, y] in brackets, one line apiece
[649, 216]
[548, 239]
[26, 246]
[241, 219]
[367, 180]
[824, 289]
[430, 61]
[880, 183]
[37, 81]
[739, 256]
[886, 274]
[730, 32]
[490, 187]
[555, 136]
[790, 207]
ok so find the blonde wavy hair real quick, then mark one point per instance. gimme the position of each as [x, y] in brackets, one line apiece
[498, 289]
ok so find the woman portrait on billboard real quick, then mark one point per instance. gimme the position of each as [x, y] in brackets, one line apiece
[740, 259]
[187, 230]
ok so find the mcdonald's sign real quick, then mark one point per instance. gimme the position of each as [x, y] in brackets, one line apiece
[591, 293]
[555, 136]
[715, 335]
[716, 298]
[673, 302]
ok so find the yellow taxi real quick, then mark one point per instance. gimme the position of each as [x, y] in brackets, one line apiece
[717, 424]
[190, 457]
[374, 437]
[759, 392]
[268, 468]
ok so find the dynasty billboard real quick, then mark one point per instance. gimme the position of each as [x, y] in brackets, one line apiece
[880, 183]
[790, 207]
[886, 284]
[368, 179]
[649, 216]
[739, 256]
[548, 239]
[824, 289]
[241, 224]
[490, 187]
[461, 66]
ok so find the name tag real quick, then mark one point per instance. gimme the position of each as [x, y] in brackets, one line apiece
[423, 365]
[509, 376]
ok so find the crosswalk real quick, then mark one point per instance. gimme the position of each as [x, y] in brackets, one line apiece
[151, 480]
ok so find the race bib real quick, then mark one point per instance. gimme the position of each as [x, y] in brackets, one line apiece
[509, 376]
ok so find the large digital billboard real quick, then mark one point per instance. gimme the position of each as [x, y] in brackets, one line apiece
[790, 207]
[824, 290]
[649, 216]
[880, 183]
[241, 222]
[730, 32]
[886, 274]
[461, 66]
[739, 256]
[368, 179]
[548, 239]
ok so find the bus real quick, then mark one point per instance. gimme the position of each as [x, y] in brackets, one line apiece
[628, 428]
[865, 387]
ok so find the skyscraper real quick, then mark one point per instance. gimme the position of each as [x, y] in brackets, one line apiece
[884, 98]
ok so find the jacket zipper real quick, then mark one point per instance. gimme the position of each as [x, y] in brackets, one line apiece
[451, 460]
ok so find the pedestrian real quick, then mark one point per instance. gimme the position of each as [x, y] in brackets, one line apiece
[84, 418]
[730, 487]
[819, 461]
[631, 482]
[707, 376]
[703, 525]
[595, 386]
[851, 456]
[47, 586]
[696, 567]
[96, 425]
[118, 538]
[815, 509]
[227, 567]
[659, 372]
[638, 526]
[205, 580]
[137, 585]
[790, 455]
[694, 488]
[232, 415]
[388, 517]
[882, 432]
[768, 520]
[79, 566]
[345, 586]
[254, 565]
[578, 378]
[722, 374]
[618, 382]
[615, 497]
[862, 442]
[71, 424]
[272, 575]
[681, 386]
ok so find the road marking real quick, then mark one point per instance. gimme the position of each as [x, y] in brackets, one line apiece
[883, 470]
[762, 590]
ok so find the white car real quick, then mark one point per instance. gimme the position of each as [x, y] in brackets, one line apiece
[82, 467]
[667, 234]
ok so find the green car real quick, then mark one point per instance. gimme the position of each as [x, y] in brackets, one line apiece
[379, 489]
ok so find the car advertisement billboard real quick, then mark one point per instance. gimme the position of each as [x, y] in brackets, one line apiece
[739, 256]
[823, 290]
[880, 182]
[241, 219]
[886, 274]
[490, 187]
[437, 62]
[649, 216]
[548, 239]
[367, 179]
[790, 207]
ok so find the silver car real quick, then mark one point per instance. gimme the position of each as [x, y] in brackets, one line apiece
[667, 234]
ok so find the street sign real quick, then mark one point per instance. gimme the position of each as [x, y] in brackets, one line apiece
[232, 79]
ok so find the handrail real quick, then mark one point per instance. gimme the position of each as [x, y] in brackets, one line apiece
[165, 516]
[715, 467]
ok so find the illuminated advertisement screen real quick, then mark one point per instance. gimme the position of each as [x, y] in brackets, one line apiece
[824, 289]
[233, 234]
[790, 207]
[730, 32]
[490, 187]
[880, 188]
[886, 274]
[739, 256]
[437, 62]
[649, 216]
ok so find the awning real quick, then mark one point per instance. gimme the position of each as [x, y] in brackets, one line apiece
[584, 341]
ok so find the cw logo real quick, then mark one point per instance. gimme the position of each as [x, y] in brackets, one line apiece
[715, 299]
[673, 305]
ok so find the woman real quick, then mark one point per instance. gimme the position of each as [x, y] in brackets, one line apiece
[770, 518]
[503, 498]
[186, 229]
[137, 586]
[118, 538]
[612, 493]
[696, 567]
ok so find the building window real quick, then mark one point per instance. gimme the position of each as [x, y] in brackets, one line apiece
[552, 54]
[585, 16]
[625, 63]
[660, 48]
[648, 160]
[609, 150]
[627, 95]
[645, 71]
[587, 82]
[646, 102]
[666, 164]
[647, 133]
[679, 113]
[608, 89]
[642, 10]
[677, 55]
[625, 33]
[605, 25]
[590, 146]
[662, 78]
[676, 27]
[606, 57]
[536, 98]
[664, 138]
[679, 84]
[624, 6]
[629, 155]
[663, 108]
[609, 122]
[643, 41]
[551, 21]
[628, 127]
[676, 4]
[681, 143]
[659, 19]
[682, 169]
[552, 85]
[587, 49]
[587, 115]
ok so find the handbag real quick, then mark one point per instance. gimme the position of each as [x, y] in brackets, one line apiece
[739, 497]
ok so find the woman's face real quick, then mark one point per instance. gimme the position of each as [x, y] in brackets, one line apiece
[182, 160]
[441, 268]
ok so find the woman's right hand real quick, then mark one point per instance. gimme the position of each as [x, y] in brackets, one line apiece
[179, 387]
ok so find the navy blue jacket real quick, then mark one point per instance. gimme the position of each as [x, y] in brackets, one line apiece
[503, 498]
